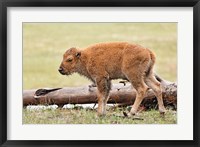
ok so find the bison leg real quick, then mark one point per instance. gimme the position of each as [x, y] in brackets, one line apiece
[141, 89]
[135, 75]
[103, 86]
[156, 87]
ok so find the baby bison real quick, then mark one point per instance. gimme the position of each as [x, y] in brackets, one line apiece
[104, 62]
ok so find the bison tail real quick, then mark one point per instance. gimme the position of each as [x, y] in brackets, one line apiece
[151, 63]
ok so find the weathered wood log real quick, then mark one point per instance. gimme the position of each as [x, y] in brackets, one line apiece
[122, 94]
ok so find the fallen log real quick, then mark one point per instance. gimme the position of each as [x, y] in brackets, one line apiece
[121, 94]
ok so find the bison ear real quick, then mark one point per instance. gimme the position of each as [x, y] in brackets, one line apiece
[78, 54]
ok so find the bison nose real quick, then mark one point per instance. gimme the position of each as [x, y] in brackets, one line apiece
[60, 70]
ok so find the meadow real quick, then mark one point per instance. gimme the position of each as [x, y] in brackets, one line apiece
[45, 43]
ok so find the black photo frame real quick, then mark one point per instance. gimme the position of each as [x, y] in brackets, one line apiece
[4, 4]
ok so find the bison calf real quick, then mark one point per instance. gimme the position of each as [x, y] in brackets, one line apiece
[104, 62]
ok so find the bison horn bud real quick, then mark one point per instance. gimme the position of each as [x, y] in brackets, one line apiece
[78, 54]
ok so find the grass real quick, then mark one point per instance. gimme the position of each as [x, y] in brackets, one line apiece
[88, 116]
[45, 43]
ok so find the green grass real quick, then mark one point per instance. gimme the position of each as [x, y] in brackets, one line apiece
[45, 43]
[88, 116]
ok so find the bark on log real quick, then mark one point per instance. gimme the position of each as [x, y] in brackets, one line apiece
[122, 94]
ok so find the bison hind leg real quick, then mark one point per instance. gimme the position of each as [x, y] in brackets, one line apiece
[141, 89]
[151, 81]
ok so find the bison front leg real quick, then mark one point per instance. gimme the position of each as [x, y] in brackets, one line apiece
[103, 86]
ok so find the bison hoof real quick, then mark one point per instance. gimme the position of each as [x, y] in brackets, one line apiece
[132, 116]
[129, 114]
[101, 114]
[162, 112]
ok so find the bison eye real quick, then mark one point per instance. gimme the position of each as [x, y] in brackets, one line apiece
[69, 60]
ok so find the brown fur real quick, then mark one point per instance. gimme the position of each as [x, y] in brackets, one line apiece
[104, 62]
